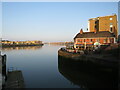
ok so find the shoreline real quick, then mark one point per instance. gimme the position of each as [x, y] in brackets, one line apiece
[22, 45]
[98, 59]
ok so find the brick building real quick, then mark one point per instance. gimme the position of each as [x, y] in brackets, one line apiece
[104, 23]
[102, 30]
[88, 39]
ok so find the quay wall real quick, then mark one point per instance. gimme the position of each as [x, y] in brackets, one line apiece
[68, 54]
[96, 59]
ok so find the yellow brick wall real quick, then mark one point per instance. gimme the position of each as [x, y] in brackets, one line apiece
[104, 24]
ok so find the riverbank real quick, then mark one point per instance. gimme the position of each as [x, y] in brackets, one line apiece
[103, 64]
[106, 57]
[22, 45]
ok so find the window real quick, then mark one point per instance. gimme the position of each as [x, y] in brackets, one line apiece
[111, 29]
[84, 40]
[78, 40]
[95, 22]
[91, 40]
[110, 18]
[87, 40]
[95, 26]
[111, 23]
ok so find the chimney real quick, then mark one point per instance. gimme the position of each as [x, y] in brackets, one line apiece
[81, 31]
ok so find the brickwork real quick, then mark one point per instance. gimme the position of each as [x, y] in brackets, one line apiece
[105, 23]
[91, 41]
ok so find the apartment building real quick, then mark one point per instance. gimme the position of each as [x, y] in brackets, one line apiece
[104, 23]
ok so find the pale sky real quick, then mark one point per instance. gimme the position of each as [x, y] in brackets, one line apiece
[50, 21]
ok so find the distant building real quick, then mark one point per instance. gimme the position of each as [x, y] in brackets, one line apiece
[35, 42]
[104, 23]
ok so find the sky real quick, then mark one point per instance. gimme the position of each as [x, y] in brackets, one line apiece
[50, 21]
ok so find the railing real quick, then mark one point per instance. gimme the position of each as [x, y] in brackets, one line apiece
[10, 69]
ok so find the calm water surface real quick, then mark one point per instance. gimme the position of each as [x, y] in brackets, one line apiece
[42, 68]
[39, 66]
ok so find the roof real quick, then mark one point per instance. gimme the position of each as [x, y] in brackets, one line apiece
[102, 16]
[94, 35]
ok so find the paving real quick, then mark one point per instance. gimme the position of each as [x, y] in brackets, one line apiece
[15, 80]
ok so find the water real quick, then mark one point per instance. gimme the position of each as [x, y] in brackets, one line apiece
[39, 66]
[42, 68]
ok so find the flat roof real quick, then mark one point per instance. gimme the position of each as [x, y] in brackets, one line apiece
[102, 16]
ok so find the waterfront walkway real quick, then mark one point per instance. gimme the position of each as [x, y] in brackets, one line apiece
[15, 80]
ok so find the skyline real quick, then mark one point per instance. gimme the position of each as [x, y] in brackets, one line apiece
[50, 21]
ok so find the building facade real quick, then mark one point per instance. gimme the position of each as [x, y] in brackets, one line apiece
[102, 31]
[85, 40]
[104, 23]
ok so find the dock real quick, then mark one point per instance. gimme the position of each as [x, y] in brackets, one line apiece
[15, 79]
[11, 78]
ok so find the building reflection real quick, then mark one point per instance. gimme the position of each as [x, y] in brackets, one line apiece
[86, 75]
[22, 48]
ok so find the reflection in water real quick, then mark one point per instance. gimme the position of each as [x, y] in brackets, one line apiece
[86, 75]
[21, 48]
[39, 67]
